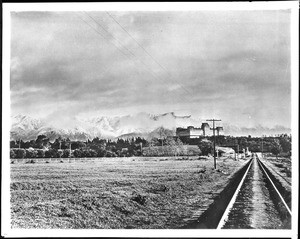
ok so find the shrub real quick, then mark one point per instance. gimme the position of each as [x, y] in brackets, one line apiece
[12, 154]
[20, 153]
[93, 153]
[86, 153]
[139, 199]
[77, 153]
[101, 153]
[276, 148]
[110, 154]
[40, 153]
[206, 147]
[31, 153]
[66, 153]
[51, 153]
[60, 153]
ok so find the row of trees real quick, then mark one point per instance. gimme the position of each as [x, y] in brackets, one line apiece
[254, 144]
[60, 148]
[59, 153]
[61, 143]
[170, 147]
[103, 148]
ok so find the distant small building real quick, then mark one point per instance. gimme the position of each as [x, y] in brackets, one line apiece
[206, 129]
[190, 132]
[193, 132]
[182, 132]
[225, 151]
[247, 152]
[219, 129]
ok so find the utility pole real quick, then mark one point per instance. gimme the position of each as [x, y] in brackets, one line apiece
[213, 128]
[160, 137]
[160, 134]
[236, 149]
[262, 146]
[70, 150]
[60, 150]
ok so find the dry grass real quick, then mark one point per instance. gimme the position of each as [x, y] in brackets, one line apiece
[115, 192]
[281, 168]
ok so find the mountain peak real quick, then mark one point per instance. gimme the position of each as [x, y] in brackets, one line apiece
[27, 128]
[170, 114]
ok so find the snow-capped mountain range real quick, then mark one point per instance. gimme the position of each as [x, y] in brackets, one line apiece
[142, 124]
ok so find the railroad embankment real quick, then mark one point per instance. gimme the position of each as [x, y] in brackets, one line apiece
[239, 204]
[211, 217]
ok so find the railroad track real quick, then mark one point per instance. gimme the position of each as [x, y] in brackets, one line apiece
[257, 202]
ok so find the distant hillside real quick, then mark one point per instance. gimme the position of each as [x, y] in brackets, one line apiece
[140, 125]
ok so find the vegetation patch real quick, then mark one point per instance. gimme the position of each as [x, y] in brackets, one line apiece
[115, 192]
[139, 199]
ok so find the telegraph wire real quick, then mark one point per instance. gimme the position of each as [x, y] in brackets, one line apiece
[111, 42]
[122, 45]
[149, 70]
[98, 32]
[115, 20]
[101, 34]
[118, 48]
[145, 50]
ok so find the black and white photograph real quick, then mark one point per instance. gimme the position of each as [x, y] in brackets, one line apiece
[122, 118]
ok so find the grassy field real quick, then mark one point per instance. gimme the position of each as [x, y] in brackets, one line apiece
[115, 192]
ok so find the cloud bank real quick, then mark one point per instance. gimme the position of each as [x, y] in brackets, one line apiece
[234, 65]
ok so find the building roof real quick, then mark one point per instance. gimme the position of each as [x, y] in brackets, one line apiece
[225, 149]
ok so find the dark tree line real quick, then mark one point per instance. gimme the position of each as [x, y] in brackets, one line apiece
[276, 145]
[60, 147]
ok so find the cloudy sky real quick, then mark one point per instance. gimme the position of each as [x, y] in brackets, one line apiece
[233, 65]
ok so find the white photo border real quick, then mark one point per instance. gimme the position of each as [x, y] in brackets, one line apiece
[146, 6]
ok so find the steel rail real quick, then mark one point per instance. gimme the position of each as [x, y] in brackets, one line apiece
[232, 201]
[279, 194]
[289, 183]
[224, 218]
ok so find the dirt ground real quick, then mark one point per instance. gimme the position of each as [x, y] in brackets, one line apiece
[143, 193]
